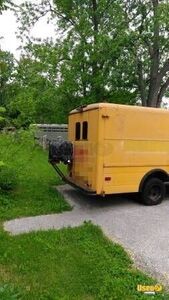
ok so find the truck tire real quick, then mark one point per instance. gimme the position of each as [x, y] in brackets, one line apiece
[153, 191]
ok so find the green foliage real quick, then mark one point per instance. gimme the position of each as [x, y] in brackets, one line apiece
[8, 178]
[2, 117]
[34, 97]
[8, 292]
[72, 263]
[5, 4]
[1, 164]
[2, 122]
[1, 4]
[148, 48]
[6, 73]
[2, 110]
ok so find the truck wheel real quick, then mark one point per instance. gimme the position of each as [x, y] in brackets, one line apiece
[153, 191]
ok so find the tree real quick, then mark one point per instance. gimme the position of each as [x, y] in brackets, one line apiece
[5, 4]
[84, 70]
[148, 25]
[1, 3]
[2, 117]
[6, 73]
[107, 48]
[32, 93]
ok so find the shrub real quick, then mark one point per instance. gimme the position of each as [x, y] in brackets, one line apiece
[2, 118]
[8, 178]
[8, 292]
[2, 122]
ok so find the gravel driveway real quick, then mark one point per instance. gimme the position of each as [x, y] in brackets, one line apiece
[142, 230]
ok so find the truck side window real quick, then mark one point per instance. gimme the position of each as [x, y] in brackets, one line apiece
[77, 131]
[85, 130]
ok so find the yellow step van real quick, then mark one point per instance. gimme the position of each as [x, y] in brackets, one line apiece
[117, 149]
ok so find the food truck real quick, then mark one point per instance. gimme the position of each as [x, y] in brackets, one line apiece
[114, 149]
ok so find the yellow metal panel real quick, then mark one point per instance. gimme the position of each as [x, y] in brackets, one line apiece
[125, 179]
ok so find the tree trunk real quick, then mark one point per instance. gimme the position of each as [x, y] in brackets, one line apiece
[155, 57]
[96, 90]
[141, 83]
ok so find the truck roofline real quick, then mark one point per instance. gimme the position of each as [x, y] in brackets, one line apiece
[94, 106]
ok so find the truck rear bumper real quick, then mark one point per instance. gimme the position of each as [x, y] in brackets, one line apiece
[81, 187]
[70, 181]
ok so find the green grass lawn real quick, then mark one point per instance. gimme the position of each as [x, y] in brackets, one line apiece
[78, 263]
[35, 193]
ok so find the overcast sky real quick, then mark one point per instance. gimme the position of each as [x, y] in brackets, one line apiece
[8, 28]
